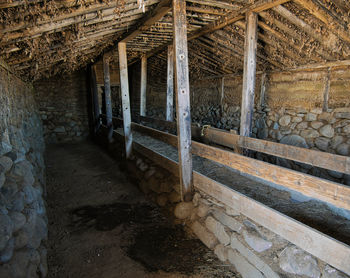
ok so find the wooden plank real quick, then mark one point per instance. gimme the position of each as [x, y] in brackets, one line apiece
[331, 251]
[95, 102]
[143, 86]
[108, 100]
[155, 15]
[182, 86]
[249, 72]
[170, 86]
[124, 84]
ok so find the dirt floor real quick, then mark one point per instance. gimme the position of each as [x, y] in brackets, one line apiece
[100, 225]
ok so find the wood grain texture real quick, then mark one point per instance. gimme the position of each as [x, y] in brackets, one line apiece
[143, 86]
[170, 85]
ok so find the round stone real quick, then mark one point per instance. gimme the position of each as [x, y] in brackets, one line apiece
[343, 149]
[183, 210]
[6, 228]
[309, 133]
[327, 131]
[285, 120]
[6, 163]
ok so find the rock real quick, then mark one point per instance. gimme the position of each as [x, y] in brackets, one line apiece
[6, 163]
[196, 199]
[21, 239]
[204, 235]
[9, 189]
[296, 261]
[18, 220]
[221, 252]
[263, 133]
[309, 133]
[297, 119]
[2, 179]
[327, 131]
[228, 221]
[330, 272]
[336, 140]
[256, 241]
[346, 129]
[285, 120]
[294, 140]
[242, 265]
[183, 210]
[275, 126]
[325, 116]
[316, 124]
[310, 117]
[322, 143]
[60, 129]
[18, 202]
[343, 149]
[232, 212]
[316, 110]
[174, 197]
[218, 230]
[30, 195]
[302, 125]
[6, 228]
[252, 258]
[342, 115]
[149, 173]
[7, 252]
[162, 199]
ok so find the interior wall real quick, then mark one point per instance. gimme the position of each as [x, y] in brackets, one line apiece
[63, 106]
[23, 222]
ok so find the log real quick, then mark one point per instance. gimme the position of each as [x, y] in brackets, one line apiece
[170, 85]
[143, 86]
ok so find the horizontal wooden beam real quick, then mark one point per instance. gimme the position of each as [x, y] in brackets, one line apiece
[331, 251]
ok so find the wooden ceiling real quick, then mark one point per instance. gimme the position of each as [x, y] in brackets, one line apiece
[42, 38]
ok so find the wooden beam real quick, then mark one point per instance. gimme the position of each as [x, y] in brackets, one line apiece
[322, 14]
[108, 98]
[124, 84]
[143, 86]
[182, 86]
[170, 85]
[249, 72]
[158, 13]
[331, 251]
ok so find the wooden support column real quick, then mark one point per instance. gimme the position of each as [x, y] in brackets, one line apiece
[124, 84]
[183, 98]
[108, 100]
[95, 102]
[222, 97]
[262, 91]
[170, 86]
[249, 72]
[143, 86]
[327, 85]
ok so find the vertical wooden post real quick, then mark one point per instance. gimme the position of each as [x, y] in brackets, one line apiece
[327, 86]
[124, 84]
[108, 101]
[95, 102]
[143, 86]
[183, 98]
[262, 91]
[170, 86]
[249, 72]
[222, 95]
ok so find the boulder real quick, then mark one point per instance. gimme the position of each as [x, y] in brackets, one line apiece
[183, 210]
[343, 149]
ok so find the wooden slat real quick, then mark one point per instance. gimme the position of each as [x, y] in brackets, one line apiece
[331, 251]
[143, 86]
[249, 72]
[170, 85]
[183, 108]
[124, 84]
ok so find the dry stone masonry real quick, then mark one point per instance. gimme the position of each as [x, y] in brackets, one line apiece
[23, 222]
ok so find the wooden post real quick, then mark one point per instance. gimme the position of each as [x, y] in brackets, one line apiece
[124, 84]
[262, 91]
[249, 72]
[170, 86]
[222, 95]
[143, 86]
[327, 86]
[95, 102]
[183, 99]
[108, 101]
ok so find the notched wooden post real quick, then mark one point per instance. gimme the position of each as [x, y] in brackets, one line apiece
[124, 84]
[170, 86]
[143, 86]
[108, 98]
[249, 72]
[183, 98]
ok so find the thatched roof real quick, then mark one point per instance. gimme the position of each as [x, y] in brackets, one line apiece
[41, 38]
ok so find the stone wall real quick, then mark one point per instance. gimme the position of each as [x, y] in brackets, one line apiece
[23, 222]
[63, 107]
[253, 250]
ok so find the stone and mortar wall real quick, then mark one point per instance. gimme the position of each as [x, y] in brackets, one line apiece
[23, 222]
[63, 107]
[251, 249]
